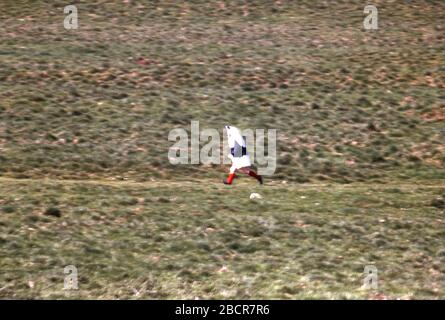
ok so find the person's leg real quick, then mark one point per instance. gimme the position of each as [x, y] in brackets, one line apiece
[252, 173]
[231, 175]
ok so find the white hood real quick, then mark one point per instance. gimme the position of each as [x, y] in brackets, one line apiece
[234, 135]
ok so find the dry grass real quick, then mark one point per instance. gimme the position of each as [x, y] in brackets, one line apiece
[186, 240]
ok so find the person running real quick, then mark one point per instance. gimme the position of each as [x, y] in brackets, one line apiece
[238, 155]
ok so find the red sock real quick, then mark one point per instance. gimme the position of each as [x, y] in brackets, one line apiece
[230, 178]
[253, 174]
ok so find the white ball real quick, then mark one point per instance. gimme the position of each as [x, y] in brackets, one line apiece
[255, 196]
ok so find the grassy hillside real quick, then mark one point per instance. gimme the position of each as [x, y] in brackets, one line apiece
[348, 104]
[187, 240]
[84, 175]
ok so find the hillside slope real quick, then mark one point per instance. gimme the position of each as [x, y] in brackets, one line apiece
[348, 104]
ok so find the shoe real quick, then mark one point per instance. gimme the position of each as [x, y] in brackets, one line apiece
[260, 179]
